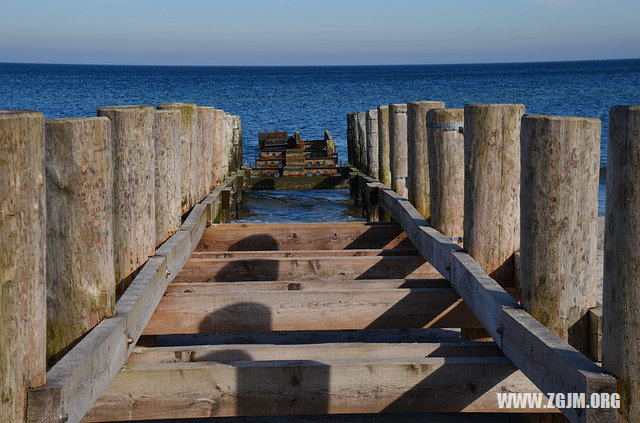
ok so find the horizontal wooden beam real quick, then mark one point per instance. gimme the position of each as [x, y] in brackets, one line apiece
[262, 311]
[305, 253]
[74, 383]
[299, 387]
[326, 285]
[333, 236]
[306, 268]
[551, 363]
[317, 352]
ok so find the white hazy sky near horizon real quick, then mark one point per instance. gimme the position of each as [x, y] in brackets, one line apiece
[328, 32]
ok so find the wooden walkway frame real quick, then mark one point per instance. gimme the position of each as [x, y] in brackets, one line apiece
[533, 352]
[547, 360]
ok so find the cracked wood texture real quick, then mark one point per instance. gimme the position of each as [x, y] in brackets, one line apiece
[22, 260]
[80, 268]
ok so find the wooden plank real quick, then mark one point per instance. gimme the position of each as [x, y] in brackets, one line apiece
[304, 253]
[320, 352]
[261, 311]
[330, 236]
[246, 388]
[328, 285]
[552, 364]
[306, 268]
[74, 383]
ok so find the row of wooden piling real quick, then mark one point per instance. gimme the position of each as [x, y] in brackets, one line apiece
[84, 202]
[521, 191]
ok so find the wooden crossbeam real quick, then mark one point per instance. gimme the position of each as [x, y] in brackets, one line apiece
[262, 311]
[298, 387]
[306, 253]
[317, 352]
[329, 236]
[551, 363]
[306, 268]
[326, 285]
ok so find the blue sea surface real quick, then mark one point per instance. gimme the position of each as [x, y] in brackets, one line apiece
[314, 98]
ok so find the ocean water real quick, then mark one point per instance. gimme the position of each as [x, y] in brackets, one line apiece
[314, 98]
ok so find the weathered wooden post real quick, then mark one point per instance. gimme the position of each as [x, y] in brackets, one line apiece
[167, 136]
[352, 134]
[560, 165]
[134, 214]
[384, 170]
[621, 299]
[372, 142]
[398, 148]
[237, 143]
[218, 141]
[446, 169]
[206, 129]
[417, 155]
[189, 113]
[492, 187]
[81, 287]
[362, 142]
[225, 156]
[22, 260]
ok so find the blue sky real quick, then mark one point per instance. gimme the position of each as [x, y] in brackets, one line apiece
[318, 32]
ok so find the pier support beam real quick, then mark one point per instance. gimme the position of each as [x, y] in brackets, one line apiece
[560, 164]
[218, 141]
[621, 300]
[492, 187]
[189, 113]
[417, 155]
[134, 214]
[225, 156]
[22, 260]
[398, 148]
[446, 170]
[167, 137]
[362, 142]
[81, 287]
[384, 170]
[206, 128]
[372, 143]
[352, 134]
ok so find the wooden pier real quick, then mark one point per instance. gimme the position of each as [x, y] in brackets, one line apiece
[387, 315]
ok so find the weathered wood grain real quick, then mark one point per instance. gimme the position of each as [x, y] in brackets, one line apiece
[189, 113]
[398, 161]
[244, 388]
[418, 186]
[305, 268]
[446, 171]
[81, 285]
[621, 301]
[133, 186]
[372, 142]
[550, 363]
[560, 166]
[204, 156]
[22, 259]
[384, 169]
[167, 136]
[316, 236]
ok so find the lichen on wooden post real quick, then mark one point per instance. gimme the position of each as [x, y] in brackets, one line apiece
[560, 165]
[81, 286]
[372, 142]
[398, 148]
[621, 300]
[22, 260]
[417, 155]
[189, 113]
[167, 135]
[446, 170]
[384, 171]
[134, 214]
[492, 187]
